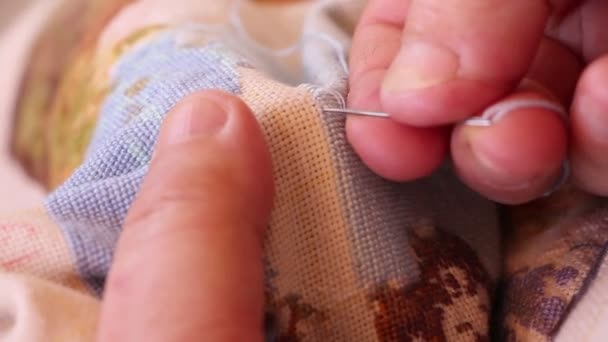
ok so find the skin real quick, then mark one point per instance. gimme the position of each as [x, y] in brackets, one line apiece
[206, 198]
[209, 190]
[432, 63]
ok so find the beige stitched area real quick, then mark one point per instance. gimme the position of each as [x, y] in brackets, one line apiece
[307, 243]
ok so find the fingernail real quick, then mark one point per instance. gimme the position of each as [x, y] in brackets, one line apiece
[202, 116]
[420, 65]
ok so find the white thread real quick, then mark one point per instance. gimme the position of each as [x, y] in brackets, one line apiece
[321, 92]
[237, 25]
[498, 111]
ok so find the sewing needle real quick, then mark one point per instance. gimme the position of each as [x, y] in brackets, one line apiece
[356, 112]
[475, 121]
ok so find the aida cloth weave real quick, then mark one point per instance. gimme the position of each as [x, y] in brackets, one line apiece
[349, 256]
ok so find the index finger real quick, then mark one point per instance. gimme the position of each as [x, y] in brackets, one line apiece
[375, 44]
[431, 62]
[386, 147]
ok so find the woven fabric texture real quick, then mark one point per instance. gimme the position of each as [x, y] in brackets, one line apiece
[349, 255]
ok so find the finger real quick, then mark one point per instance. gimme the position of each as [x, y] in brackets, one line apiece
[557, 69]
[375, 44]
[519, 157]
[188, 266]
[392, 150]
[589, 155]
[457, 57]
[593, 29]
[581, 27]
[395, 151]
[527, 174]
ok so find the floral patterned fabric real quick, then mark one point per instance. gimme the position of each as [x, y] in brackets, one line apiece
[349, 256]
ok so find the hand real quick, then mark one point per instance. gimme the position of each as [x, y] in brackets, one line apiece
[433, 63]
[188, 266]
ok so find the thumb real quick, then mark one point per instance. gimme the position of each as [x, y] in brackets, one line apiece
[188, 266]
[456, 57]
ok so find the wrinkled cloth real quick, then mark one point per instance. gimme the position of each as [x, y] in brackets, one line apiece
[349, 256]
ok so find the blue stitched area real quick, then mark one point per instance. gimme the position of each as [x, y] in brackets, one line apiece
[91, 206]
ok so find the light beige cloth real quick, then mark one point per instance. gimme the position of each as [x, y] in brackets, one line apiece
[350, 256]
